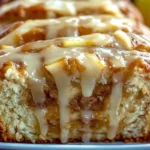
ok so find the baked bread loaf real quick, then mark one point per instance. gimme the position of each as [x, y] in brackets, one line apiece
[90, 83]
[54, 92]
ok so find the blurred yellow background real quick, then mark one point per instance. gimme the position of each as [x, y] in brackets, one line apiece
[144, 7]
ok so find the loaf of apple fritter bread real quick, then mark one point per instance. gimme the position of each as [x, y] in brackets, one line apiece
[76, 89]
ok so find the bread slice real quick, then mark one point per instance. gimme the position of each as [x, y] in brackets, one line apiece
[66, 93]
[41, 9]
[119, 40]
[34, 30]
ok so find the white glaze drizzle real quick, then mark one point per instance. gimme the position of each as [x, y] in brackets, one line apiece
[63, 83]
[71, 8]
[63, 27]
[91, 73]
[115, 100]
[37, 91]
[10, 39]
[142, 39]
[40, 114]
[11, 5]
[96, 39]
[86, 117]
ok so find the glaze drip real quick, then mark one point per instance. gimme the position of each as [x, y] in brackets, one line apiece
[115, 100]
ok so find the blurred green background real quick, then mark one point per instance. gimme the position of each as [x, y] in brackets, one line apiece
[144, 7]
